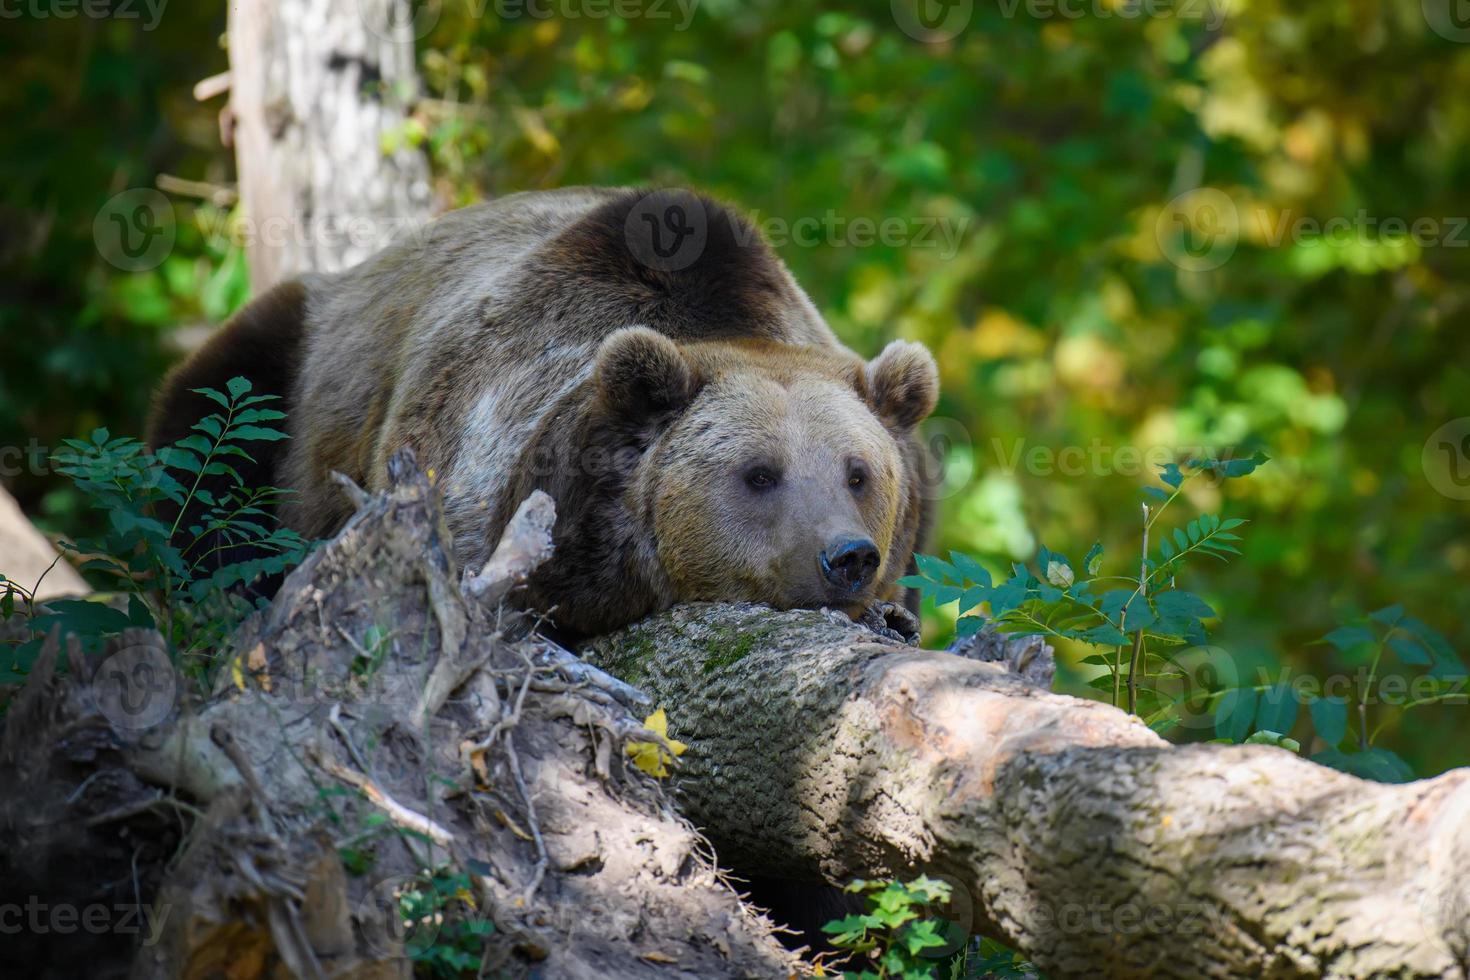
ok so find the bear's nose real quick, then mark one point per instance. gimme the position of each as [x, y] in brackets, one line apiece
[850, 563]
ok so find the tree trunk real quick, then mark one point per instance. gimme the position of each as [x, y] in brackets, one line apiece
[1068, 829]
[318, 91]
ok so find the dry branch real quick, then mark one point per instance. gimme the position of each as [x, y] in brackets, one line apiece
[1070, 830]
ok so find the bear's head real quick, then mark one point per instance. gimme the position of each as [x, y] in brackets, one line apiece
[787, 475]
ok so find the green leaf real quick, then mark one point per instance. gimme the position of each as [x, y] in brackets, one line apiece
[1234, 713]
[1093, 560]
[1278, 708]
[973, 597]
[1140, 616]
[1104, 635]
[1349, 638]
[1179, 604]
[946, 594]
[1329, 718]
[1266, 737]
[1409, 650]
[255, 433]
[971, 569]
[1170, 474]
[1180, 540]
[1243, 467]
[1166, 549]
[1155, 493]
[213, 396]
[1388, 615]
[937, 569]
[1193, 530]
[1376, 764]
[239, 387]
[1007, 596]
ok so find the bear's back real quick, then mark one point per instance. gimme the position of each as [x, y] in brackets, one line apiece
[461, 338]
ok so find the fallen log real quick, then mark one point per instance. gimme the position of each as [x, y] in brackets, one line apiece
[394, 766]
[1068, 829]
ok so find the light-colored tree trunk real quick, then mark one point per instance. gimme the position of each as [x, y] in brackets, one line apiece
[27, 558]
[1068, 828]
[318, 95]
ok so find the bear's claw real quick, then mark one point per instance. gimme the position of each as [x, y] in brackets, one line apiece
[892, 621]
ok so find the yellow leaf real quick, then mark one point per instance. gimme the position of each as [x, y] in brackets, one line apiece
[653, 757]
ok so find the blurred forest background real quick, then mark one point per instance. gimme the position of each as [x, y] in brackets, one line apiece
[1109, 221]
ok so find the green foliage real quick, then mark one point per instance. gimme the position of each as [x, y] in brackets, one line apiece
[1198, 685]
[444, 930]
[891, 934]
[177, 577]
[1149, 609]
[988, 959]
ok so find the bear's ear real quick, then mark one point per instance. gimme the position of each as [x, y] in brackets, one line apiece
[903, 384]
[641, 373]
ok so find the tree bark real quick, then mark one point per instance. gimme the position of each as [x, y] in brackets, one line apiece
[1068, 829]
[318, 90]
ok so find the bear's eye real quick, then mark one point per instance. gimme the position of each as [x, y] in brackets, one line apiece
[761, 478]
[857, 478]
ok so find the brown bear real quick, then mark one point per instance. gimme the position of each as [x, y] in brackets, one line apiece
[643, 357]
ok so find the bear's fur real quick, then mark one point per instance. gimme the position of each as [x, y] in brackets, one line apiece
[535, 342]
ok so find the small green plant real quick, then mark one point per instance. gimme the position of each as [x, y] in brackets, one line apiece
[176, 574]
[1132, 619]
[891, 934]
[1196, 683]
[986, 958]
[451, 940]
